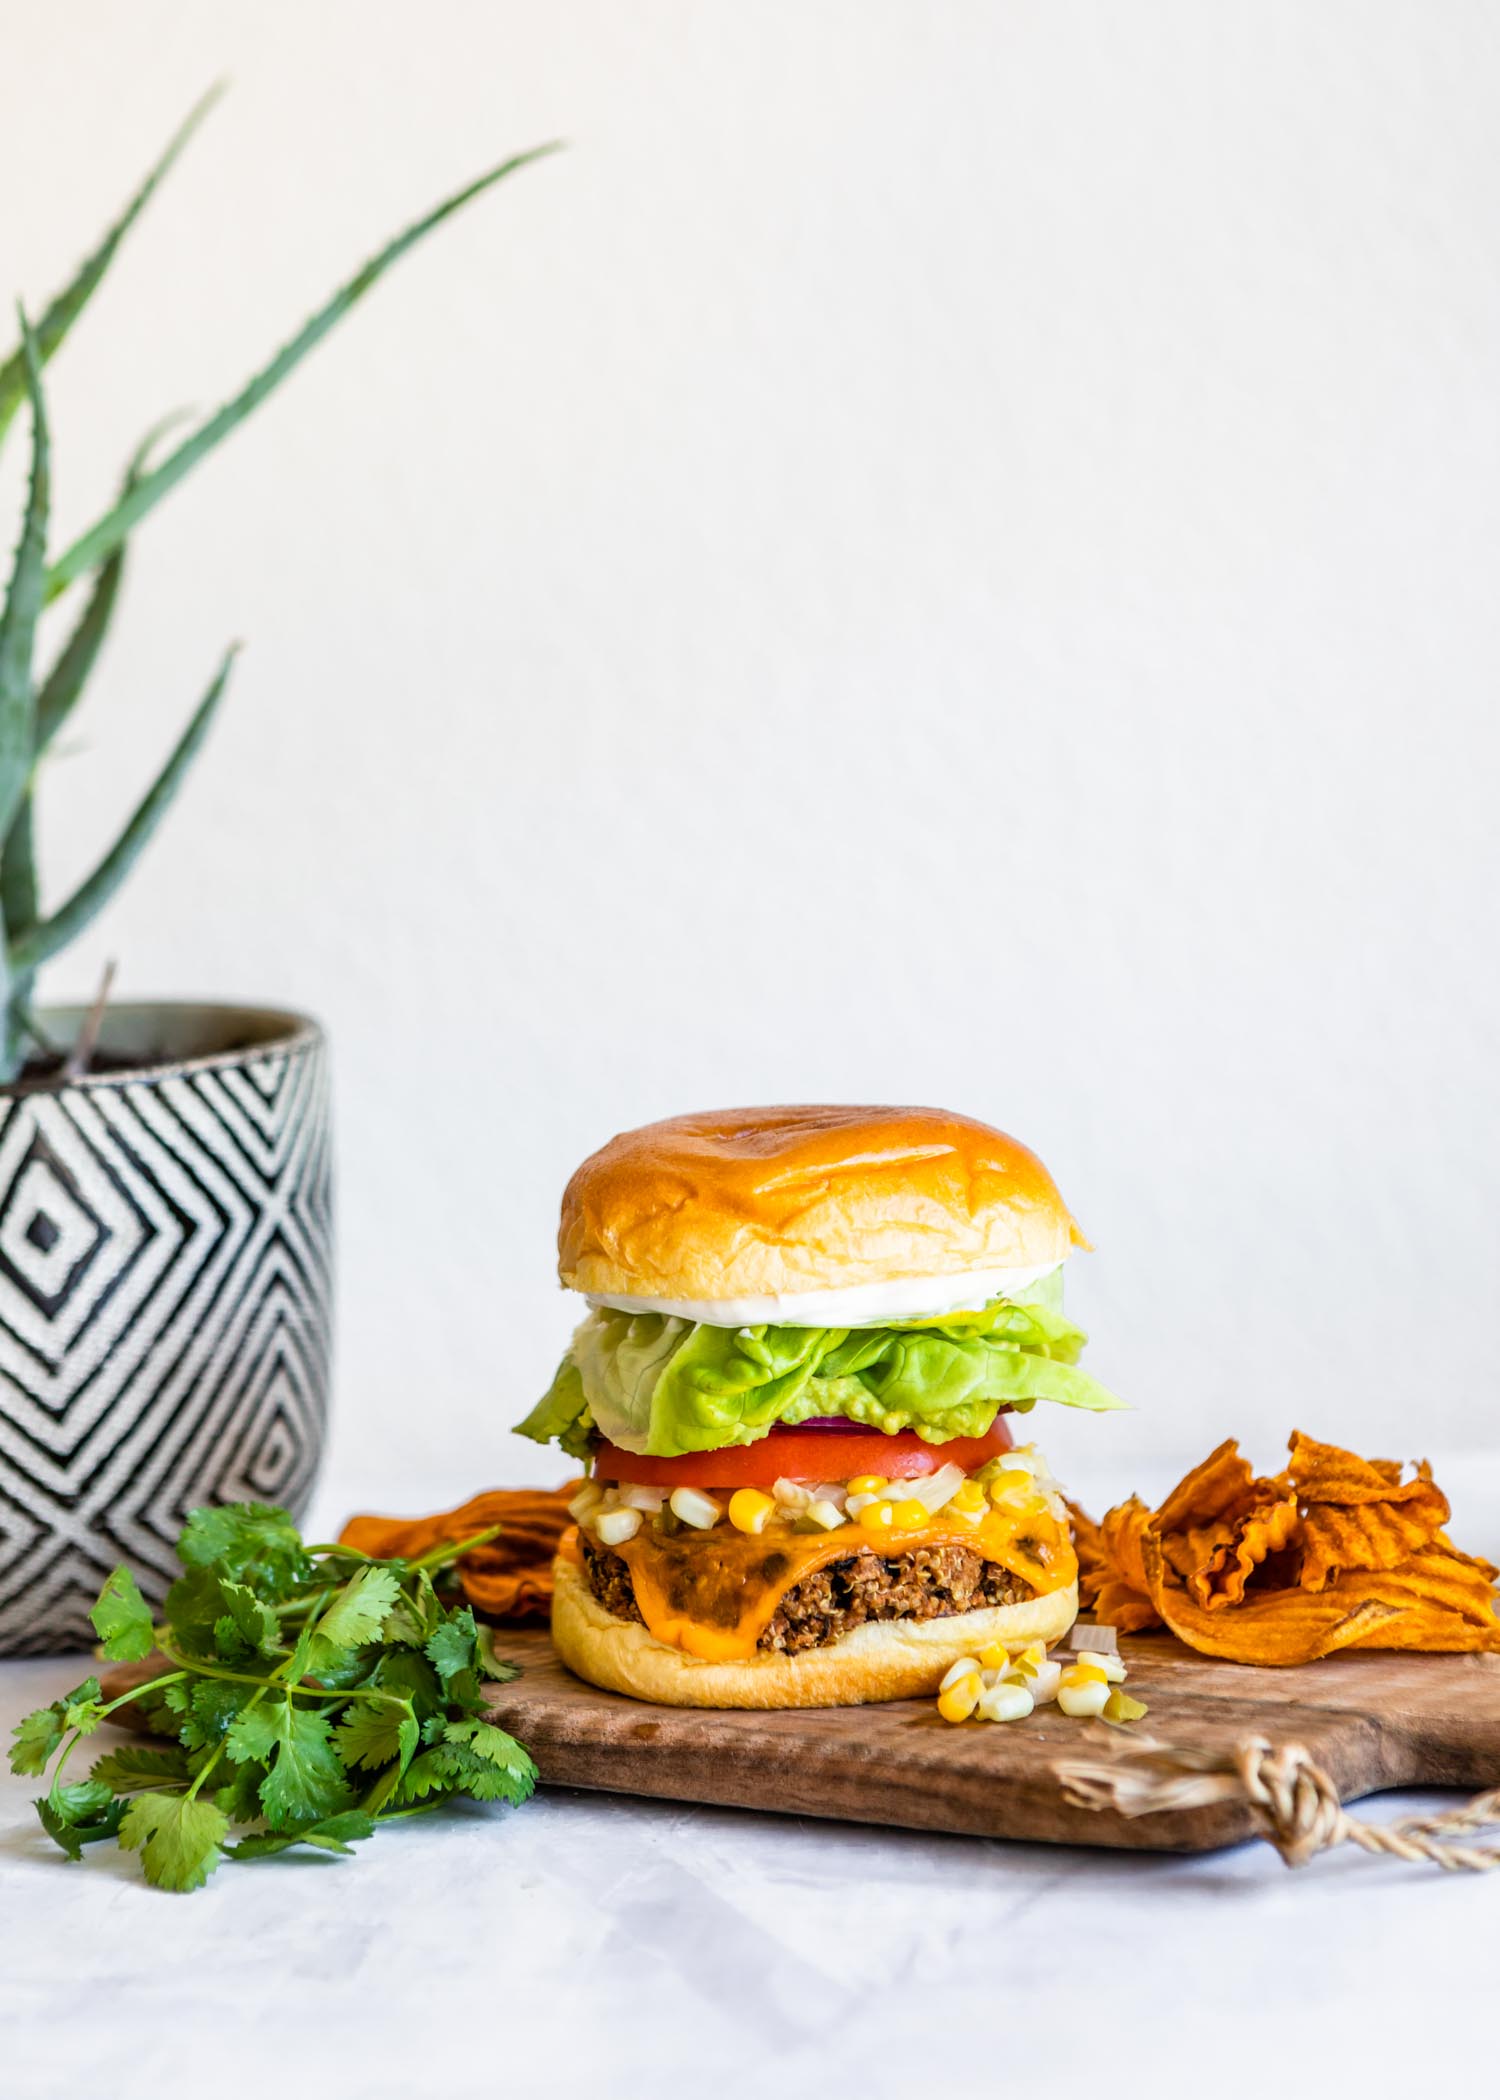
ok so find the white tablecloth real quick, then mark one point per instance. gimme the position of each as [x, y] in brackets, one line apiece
[602, 1943]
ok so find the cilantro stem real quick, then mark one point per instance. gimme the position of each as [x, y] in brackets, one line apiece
[440, 1555]
[70, 1743]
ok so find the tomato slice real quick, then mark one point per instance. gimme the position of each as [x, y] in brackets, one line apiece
[804, 1454]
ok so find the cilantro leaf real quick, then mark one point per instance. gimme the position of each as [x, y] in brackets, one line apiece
[131, 1768]
[122, 1619]
[254, 1734]
[508, 1773]
[357, 1613]
[249, 1542]
[239, 1797]
[411, 1677]
[333, 1834]
[372, 1734]
[304, 1781]
[37, 1736]
[75, 1816]
[491, 1665]
[83, 1707]
[252, 1628]
[178, 1839]
[427, 1774]
[216, 1706]
[451, 1648]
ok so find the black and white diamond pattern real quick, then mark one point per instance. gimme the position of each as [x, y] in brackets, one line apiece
[165, 1304]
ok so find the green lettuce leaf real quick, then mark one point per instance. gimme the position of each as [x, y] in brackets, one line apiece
[664, 1386]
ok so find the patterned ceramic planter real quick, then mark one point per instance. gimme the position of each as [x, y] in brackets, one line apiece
[165, 1300]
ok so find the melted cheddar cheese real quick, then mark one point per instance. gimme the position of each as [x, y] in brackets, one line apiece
[713, 1593]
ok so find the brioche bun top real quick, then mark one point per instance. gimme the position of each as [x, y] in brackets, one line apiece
[753, 1202]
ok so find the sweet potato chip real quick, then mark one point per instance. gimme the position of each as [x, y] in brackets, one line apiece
[1337, 1552]
[1264, 1528]
[1273, 1627]
[510, 1577]
[1359, 1512]
[1215, 1490]
[1111, 1572]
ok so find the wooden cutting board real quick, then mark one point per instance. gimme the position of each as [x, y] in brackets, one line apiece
[1371, 1721]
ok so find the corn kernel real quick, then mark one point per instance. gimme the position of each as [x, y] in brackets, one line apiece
[960, 1699]
[878, 1515]
[749, 1509]
[994, 1656]
[1087, 1671]
[966, 1666]
[1005, 1702]
[910, 1515]
[867, 1483]
[1033, 1655]
[968, 1499]
[588, 1499]
[1084, 1702]
[1009, 1483]
[693, 1507]
[615, 1526]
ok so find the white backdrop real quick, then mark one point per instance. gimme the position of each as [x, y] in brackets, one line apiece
[941, 553]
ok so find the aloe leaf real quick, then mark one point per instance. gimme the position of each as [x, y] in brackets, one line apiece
[91, 896]
[74, 297]
[18, 899]
[56, 698]
[23, 604]
[101, 538]
[63, 686]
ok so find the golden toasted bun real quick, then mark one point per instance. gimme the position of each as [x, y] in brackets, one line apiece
[893, 1659]
[744, 1203]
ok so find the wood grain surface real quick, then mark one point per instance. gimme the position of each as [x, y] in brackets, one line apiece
[1371, 1721]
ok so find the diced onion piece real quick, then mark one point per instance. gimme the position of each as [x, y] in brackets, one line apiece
[1043, 1685]
[695, 1508]
[934, 1490]
[792, 1495]
[826, 1514]
[615, 1526]
[648, 1500]
[588, 1498]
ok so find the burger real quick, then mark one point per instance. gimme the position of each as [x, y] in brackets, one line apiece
[810, 1330]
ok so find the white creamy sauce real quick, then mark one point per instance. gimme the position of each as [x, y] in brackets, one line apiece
[859, 1305]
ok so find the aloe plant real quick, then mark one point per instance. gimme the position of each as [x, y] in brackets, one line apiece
[35, 705]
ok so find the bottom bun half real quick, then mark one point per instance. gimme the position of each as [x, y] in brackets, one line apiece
[887, 1659]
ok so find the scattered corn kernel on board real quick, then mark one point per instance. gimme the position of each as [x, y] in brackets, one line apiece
[1372, 1721]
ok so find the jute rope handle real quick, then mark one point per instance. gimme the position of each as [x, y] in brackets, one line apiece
[1295, 1804]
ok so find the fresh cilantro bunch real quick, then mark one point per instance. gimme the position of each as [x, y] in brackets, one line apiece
[313, 1694]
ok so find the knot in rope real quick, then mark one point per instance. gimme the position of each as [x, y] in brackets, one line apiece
[1296, 1803]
